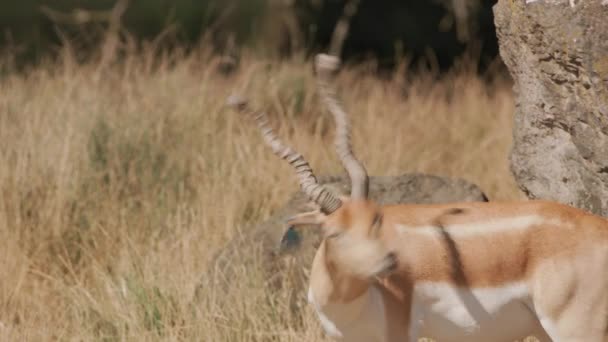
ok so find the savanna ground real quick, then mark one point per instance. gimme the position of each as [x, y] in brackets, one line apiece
[119, 184]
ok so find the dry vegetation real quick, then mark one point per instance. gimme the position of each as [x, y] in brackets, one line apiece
[118, 185]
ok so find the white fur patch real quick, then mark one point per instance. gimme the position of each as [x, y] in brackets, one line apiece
[361, 320]
[450, 313]
[491, 226]
[549, 327]
[329, 326]
[360, 256]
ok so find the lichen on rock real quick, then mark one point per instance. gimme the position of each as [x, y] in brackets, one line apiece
[557, 54]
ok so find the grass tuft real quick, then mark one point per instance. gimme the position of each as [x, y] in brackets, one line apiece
[117, 188]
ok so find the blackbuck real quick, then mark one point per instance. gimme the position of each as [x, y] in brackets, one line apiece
[496, 271]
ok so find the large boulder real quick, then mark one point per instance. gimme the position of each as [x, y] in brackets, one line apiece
[261, 244]
[557, 54]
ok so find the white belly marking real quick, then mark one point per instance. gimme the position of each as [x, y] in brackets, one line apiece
[449, 313]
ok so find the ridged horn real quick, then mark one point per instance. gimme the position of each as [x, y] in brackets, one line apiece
[317, 193]
[326, 67]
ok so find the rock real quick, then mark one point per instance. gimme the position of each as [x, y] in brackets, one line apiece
[264, 240]
[557, 54]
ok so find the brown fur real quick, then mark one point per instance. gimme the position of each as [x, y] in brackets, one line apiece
[493, 259]
[563, 258]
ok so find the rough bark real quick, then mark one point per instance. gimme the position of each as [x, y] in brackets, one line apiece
[557, 54]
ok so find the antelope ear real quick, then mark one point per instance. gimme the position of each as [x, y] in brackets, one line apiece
[291, 238]
[314, 217]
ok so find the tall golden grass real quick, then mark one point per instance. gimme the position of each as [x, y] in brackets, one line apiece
[119, 184]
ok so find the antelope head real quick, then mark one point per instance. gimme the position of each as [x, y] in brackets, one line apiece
[352, 253]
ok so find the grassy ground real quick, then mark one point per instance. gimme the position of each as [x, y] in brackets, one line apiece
[118, 185]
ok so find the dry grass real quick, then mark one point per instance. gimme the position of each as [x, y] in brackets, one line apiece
[116, 188]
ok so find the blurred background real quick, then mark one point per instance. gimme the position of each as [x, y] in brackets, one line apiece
[435, 32]
[123, 175]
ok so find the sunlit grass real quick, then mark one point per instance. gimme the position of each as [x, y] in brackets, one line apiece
[117, 188]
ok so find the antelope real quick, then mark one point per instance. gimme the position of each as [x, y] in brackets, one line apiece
[474, 271]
